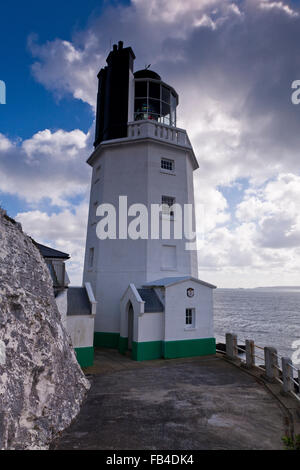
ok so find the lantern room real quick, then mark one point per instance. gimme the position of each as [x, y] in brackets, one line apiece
[154, 99]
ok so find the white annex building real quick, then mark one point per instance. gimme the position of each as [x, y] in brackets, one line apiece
[77, 305]
[149, 298]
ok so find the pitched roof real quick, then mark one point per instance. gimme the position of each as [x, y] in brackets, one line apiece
[152, 302]
[78, 301]
[48, 252]
[168, 281]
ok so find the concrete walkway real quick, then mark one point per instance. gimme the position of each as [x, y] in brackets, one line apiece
[194, 403]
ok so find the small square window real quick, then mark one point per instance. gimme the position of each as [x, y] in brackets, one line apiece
[167, 164]
[168, 257]
[190, 318]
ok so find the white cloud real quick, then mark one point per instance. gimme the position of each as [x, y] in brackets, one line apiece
[64, 68]
[5, 143]
[264, 247]
[157, 11]
[49, 165]
[233, 64]
[275, 209]
[269, 5]
[64, 231]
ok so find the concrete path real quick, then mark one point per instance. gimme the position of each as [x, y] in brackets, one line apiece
[195, 403]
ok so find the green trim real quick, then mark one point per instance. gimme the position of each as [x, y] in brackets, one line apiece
[123, 345]
[146, 350]
[85, 356]
[189, 348]
[106, 340]
[171, 349]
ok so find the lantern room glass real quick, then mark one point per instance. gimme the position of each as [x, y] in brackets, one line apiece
[154, 101]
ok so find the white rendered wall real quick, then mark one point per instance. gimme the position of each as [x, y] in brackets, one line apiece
[81, 330]
[151, 326]
[133, 168]
[176, 303]
[62, 305]
[146, 326]
[179, 185]
[130, 296]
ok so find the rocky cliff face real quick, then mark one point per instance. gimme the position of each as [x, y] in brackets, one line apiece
[41, 383]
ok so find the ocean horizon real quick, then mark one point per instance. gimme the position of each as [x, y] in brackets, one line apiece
[268, 315]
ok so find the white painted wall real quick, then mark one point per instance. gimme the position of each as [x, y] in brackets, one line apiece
[62, 305]
[170, 324]
[132, 167]
[79, 327]
[132, 296]
[177, 301]
[81, 330]
[151, 327]
[179, 185]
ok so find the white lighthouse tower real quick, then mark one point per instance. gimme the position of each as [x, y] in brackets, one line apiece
[150, 300]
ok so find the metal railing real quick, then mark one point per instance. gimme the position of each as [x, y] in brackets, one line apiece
[288, 375]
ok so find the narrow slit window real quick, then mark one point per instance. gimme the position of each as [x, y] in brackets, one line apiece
[91, 257]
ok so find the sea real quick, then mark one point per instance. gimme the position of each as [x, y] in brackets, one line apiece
[269, 316]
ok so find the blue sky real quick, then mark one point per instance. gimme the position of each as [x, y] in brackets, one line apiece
[30, 107]
[232, 63]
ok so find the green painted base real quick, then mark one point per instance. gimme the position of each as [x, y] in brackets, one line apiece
[85, 356]
[106, 340]
[146, 350]
[189, 348]
[123, 345]
[172, 349]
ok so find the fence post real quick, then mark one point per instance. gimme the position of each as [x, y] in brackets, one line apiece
[287, 374]
[231, 345]
[271, 362]
[250, 351]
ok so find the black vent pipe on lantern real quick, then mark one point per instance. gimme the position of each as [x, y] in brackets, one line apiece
[113, 93]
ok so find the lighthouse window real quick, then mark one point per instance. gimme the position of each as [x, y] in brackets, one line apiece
[154, 90]
[155, 101]
[167, 164]
[141, 89]
[173, 109]
[168, 257]
[167, 203]
[91, 257]
[190, 317]
[141, 109]
[165, 111]
[154, 109]
[165, 94]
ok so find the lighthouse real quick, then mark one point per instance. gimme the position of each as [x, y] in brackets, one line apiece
[140, 256]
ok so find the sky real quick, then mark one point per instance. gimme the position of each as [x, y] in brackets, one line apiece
[232, 64]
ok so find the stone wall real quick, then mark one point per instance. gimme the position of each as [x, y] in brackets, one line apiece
[41, 383]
